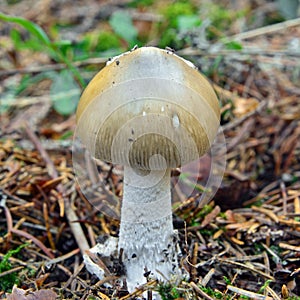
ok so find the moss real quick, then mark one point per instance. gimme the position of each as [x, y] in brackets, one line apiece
[7, 281]
[168, 291]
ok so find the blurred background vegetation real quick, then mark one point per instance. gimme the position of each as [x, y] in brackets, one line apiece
[82, 35]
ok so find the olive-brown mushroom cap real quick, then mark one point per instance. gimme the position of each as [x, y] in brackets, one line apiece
[148, 103]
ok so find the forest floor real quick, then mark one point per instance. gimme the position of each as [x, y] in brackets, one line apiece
[243, 244]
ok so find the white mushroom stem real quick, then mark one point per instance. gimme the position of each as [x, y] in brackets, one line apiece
[146, 238]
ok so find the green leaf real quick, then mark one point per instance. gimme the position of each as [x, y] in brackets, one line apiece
[265, 285]
[121, 23]
[67, 135]
[188, 22]
[233, 45]
[33, 28]
[65, 93]
[16, 38]
[41, 35]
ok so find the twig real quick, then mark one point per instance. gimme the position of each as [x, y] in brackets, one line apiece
[297, 205]
[242, 134]
[246, 258]
[250, 268]
[28, 236]
[241, 54]
[266, 262]
[283, 191]
[53, 67]
[97, 260]
[265, 30]
[73, 276]
[63, 268]
[209, 218]
[199, 291]
[194, 261]
[47, 144]
[290, 222]
[47, 225]
[106, 279]
[61, 258]
[247, 293]
[70, 214]
[272, 293]
[11, 271]
[139, 290]
[275, 257]
[267, 212]
[289, 247]
[49, 164]
[207, 277]
[240, 120]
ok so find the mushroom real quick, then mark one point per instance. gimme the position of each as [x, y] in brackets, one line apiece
[148, 110]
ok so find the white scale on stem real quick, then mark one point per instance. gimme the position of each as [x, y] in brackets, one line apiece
[146, 236]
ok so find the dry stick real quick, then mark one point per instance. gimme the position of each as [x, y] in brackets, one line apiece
[26, 235]
[267, 212]
[265, 30]
[240, 120]
[106, 279]
[247, 293]
[70, 214]
[283, 191]
[267, 262]
[47, 225]
[63, 268]
[97, 260]
[243, 266]
[289, 247]
[243, 132]
[275, 257]
[243, 54]
[296, 205]
[44, 68]
[139, 290]
[73, 276]
[59, 259]
[199, 291]
[208, 277]
[103, 296]
[11, 271]
[246, 35]
[49, 164]
[47, 144]
[272, 293]
[194, 261]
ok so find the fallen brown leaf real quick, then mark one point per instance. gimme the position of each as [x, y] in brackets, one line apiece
[20, 294]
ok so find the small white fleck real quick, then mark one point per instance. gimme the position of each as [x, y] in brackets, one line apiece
[134, 48]
[116, 58]
[175, 121]
[144, 113]
[162, 109]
